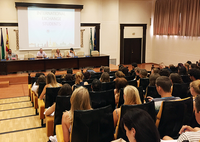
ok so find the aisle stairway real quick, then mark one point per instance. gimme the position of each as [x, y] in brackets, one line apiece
[18, 121]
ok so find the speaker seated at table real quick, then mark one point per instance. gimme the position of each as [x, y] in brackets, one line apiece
[51, 94]
[93, 125]
[148, 107]
[170, 117]
[102, 98]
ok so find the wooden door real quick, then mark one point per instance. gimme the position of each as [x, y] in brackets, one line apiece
[132, 50]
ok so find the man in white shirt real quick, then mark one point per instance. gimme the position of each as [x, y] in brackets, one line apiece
[71, 53]
[41, 54]
[187, 132]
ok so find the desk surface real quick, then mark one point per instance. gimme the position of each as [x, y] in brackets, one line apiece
[44, 64]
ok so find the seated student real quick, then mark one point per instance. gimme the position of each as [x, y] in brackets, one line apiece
[50, 82]
[65, 90]
[79, 80]
[119, 83]
[131, 97]
[10, 55]
[195, 88]
[155, 70]
[90, 70]
[132, 72]
[58, 54]
[35, 86]
[125, 71]
[164, 72]
[187, 132]
[80, 100]
[186, 65]
[41, 54]
[139, 126]
[102, 69]
[96, 85]
[106, 69]
[163, 87]
[71, 53]
[137, 71]
[194, 74]
[87, 75]
[53, 71]
[175, 78]
[143, 74]
[119, 74]
[38, 74]
[152, 79]
[69, 77]
[105, 77]
[173, 68]
[182, 70]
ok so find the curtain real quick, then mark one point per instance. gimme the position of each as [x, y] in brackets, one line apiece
[177, 17]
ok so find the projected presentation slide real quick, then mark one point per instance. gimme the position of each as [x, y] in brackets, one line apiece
[49, 27]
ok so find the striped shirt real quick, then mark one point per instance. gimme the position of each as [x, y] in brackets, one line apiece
[191, 136]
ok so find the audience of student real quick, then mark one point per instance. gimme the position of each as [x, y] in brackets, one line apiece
[195, 88]
[90, 70]
[69, 77]
[65, 90]
[137, 71]
[164, 72]
[193, 66]
[80, 100]
[50, 82]
[139, 126]
[38, 74]
[36, 84]
[79, 80]
[175, 78]
[194, 74]
[105, 77]
[152, 79]
[189, 62]
[173, 68]
[187, 132]
[163, 87]
[131, 97]
[119, 83]
[186, 65]
[96, 85]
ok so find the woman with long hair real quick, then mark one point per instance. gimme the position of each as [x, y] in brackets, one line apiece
[50, 82]
[105, 77]
[139, 126]
[79, 80]
[195, 88]
[131, 97]
[80, 100]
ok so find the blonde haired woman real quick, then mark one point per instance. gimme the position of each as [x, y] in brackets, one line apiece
[195, 88]
[131, 97]
[79, 80]
[50, 82]
[80, 100]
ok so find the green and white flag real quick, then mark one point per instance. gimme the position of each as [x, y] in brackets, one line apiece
[91, 42]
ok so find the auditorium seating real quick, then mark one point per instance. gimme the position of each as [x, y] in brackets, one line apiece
[51, 94]
[62, 104]
[186, 78]
[86, 86]
[171, 116]
[102, 98]
[107, 85]
[149, 107]
[144, 82]
[90, 125]
[152, 92]
[69, 82]
[181, 90]
[132, 82]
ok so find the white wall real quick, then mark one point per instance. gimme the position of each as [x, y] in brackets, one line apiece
[109, 13]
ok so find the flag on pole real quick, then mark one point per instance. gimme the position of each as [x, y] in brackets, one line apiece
[91, 41]
[7, 40]
[2, 46]
[95, 42]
